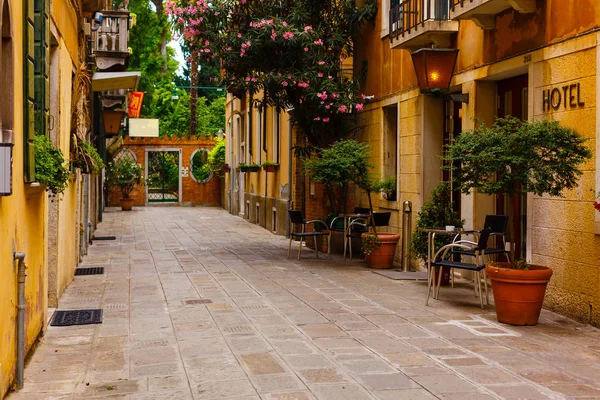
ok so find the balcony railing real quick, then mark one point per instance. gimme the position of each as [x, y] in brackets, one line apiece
[110, 41]
[483, 12]
[411, 15]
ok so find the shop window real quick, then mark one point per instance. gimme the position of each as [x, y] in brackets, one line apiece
[390, 146]
[201, 170]
[6, 79]
[274, 220]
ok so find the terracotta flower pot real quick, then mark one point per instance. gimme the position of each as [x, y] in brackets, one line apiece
[269, 168]
[383, 256]
[519, 294]
[126, 204]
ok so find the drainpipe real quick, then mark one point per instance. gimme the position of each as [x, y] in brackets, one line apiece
[20, 257]
[290, 175]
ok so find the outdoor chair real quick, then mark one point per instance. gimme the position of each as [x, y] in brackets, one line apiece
[361, 225]
[498, 225]
[439, 261]
[338, 225]
[297, 220]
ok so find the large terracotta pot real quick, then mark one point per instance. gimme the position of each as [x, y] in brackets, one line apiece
[519, 294]
[126, 204]
[383, 256]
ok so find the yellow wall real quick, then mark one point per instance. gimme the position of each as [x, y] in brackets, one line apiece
[22, 222]
[67, 224]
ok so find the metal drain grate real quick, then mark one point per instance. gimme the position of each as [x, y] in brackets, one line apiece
[197, 301]
[89, 271]
[76, 317]
[104, 238]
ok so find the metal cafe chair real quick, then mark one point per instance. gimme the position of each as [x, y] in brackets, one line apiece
[498, 225]
[297, 220]
[338, 224]
[361, 225]
[439, 261]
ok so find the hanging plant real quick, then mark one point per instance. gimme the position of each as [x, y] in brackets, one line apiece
[50, 168]
[85, 157]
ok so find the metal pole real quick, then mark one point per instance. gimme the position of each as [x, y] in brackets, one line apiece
[20, 257]
[406, 234]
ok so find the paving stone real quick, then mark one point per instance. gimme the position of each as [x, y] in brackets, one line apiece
[441, 384]
[261, 364]
[220, 390]
[520, 392]
[386, 381]
[289, 396]
[406, 394]
[276, 383]
[322, 375]
[340, 392]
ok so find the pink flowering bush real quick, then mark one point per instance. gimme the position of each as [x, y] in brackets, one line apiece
[291, 52]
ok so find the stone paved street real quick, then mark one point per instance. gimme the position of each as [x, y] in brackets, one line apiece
[199, 304]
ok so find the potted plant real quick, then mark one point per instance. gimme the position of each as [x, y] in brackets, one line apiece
[380, 246]
[50, 168]
[510, 158]
[388, 188]
[269, 166]
[125, 174]
[437, 212]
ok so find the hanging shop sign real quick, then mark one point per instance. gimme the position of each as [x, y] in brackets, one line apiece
[135, 104]
[562, 98]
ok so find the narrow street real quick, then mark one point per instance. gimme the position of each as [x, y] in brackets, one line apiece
[199, 304]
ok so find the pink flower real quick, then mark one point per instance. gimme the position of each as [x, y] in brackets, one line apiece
[320, 74]
[318, 42]
[284, 83]
[325, 119]
[239, 35]
[273, 34]
[359, 107]
[306, 49]
[248, 79]
[342, 108]
[318, 119]
[288, 35]
[307, 28]
[363, 96]
[284, 23]
[321, 62]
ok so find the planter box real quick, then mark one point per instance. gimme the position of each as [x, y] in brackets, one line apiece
[270, 168]
[226, 168]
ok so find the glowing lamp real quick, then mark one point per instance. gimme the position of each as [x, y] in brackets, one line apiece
[434, 68]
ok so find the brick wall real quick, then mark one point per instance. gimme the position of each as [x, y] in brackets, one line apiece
[192, 192]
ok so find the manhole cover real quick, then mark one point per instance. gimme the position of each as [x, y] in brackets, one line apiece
[104, 238]
[77, 317]
[89, 271]
[197, 301]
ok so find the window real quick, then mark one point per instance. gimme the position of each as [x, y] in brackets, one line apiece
[6, 78]
[386, 7]
[259, 134]
[276, 133]
[390, 147]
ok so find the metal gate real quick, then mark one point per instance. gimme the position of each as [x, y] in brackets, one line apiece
[163, 180]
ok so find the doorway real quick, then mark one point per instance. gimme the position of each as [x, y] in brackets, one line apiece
[163, 180]
[513, 101]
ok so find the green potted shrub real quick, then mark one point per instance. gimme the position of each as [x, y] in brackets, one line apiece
[269, 166]
[125, 174]
[388, 188]
[437, 212]
[50, 165]
[379, 247]
[510, 158]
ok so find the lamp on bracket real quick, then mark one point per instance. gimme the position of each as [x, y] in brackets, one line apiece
[434, 68]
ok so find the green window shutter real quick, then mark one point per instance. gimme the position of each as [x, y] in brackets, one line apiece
[29, 90]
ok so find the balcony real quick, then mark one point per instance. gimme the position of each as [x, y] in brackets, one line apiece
[109, 43]
[415, 24]
[482, 12]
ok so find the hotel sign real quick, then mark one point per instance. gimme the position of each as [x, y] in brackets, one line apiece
[563, 97]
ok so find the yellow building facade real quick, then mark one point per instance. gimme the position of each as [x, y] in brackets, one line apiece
[47, 230]
[532, 60]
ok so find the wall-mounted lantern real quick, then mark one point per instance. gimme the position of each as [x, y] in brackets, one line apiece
[434, 68]
[112, 121]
